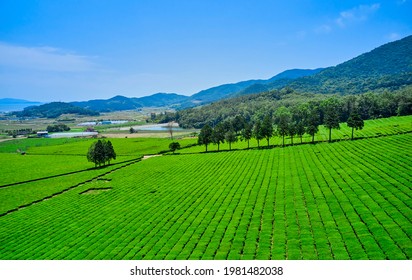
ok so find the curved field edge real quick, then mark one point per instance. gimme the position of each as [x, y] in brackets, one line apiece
[344, 200]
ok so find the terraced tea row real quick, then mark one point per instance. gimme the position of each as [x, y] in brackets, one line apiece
[344, 200]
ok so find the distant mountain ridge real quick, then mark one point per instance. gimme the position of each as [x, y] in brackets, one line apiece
[119, 102]
[54, 110]
[232, 90]
[175, 100]
[386, 67]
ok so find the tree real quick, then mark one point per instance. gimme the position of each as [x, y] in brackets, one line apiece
[57, 128]
[101, 152]
[283, 118]
[109, 152]
[267, 128]
[292, 128]
[257, 132]
[205, 136]
[247, 133]
[170, 129]
[300, 129]
[238, 123]
[230, 137]
[300, 116]
[96, 153]
[218, 135]
[331, 119]
[312, 121]
[174, 146]
[355, 121]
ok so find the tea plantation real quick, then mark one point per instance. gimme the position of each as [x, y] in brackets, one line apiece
[341, 200]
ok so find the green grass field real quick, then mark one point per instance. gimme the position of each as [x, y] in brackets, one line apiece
[341, 200]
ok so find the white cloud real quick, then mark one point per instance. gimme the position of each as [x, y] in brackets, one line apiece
[323, 29]
[357, 14]
[393, 36]
[43, 58]
[348, 17]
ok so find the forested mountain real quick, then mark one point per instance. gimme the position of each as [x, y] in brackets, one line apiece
[386, 67]
[162, 99]
[54, 110]
[246, 87]
[254, 107]
[119, 103]
[174, 100]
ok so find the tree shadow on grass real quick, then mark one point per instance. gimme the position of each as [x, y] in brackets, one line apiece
[70, 173]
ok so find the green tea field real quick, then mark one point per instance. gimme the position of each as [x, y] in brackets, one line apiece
[341, 200]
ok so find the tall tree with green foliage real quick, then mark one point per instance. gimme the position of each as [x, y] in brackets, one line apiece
[267, 128]
[238, 123]
[101, 152]
[218, 135]
[300, 130]
[283, 118]
[174, 146]
[96, 153]
[312, 121]
[247, 133]
[355, 121]
[109, 152]
[205, 136]
[332, 109]
[299, 117]
[230, 137]
[257, 132]
[292, 131]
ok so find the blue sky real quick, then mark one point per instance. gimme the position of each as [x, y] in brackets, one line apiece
[71, 50]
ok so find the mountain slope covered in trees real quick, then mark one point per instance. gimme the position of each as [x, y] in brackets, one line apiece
[245, 87]
[119, 103]
[54, 110]
[386, 67]
[254, 107]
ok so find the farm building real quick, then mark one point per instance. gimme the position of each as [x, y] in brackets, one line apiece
[44, 133]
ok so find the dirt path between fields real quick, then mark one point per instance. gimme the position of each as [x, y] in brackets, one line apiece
[150, 156]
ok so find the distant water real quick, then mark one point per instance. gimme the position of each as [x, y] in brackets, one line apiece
[11, 107]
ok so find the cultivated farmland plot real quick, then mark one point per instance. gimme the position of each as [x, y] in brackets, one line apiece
[343, 200]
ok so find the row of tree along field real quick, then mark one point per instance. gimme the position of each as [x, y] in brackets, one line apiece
[296, 121]
[372, 128]
[255, 107]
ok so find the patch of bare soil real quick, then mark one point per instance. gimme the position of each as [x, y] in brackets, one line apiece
[150, 156]
[96, 190]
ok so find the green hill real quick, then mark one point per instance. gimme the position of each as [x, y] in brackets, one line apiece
[247, 87]
[54, 110]
[119, 103]
[386, 67]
